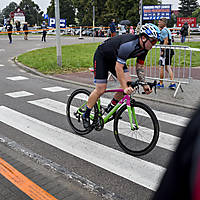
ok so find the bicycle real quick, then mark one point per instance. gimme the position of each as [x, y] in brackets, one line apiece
[136, 128]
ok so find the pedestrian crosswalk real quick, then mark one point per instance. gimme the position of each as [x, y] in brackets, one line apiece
[137, 170]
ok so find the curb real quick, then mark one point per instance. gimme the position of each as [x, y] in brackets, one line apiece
[35, 72]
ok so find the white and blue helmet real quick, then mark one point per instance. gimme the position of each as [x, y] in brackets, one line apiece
[151, 30]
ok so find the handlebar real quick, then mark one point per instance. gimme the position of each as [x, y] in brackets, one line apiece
[137, 83]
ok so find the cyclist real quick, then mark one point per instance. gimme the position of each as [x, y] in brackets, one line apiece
[111, 56]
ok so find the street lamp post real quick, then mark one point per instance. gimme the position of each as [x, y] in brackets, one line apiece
[58, 42]
[140, 12]
[93, 17]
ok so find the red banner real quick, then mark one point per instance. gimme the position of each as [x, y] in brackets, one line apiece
[190, 20]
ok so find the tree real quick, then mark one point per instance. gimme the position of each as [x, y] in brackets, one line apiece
[126, 9]
[187, 7]
[67, 10]
[196, 14]
[1, 18]
[8, 9]
[32, 12]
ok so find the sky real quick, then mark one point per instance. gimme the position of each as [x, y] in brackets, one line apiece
[43, 4]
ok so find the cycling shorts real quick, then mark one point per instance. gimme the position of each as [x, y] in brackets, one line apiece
[103, 66]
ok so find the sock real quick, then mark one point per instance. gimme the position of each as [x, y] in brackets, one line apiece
[87, 112]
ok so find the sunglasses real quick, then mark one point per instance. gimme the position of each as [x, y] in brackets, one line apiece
[153, 41]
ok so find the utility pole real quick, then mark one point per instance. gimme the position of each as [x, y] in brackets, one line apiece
[140, 12]
[58, 42]
[93, 17]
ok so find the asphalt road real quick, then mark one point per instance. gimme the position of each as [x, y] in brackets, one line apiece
[32, 113]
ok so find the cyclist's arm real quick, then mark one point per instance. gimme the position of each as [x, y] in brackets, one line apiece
[140, 71]
[141, 75]
[120, 74]
[121, 77]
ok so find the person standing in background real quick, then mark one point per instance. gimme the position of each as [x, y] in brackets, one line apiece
[165, 54]
[18, 26]
[25, 29]
[44, 33]
[184, 32]
[9, 28]
[137, 30]
[131, 31]
[113, 28]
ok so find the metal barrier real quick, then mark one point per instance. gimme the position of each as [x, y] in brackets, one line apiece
[181, 64]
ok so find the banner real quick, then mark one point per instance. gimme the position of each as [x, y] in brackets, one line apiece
[52, 23]
[156, 12]
[190, 20]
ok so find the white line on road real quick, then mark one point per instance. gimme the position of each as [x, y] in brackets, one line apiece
[166, 141]
[55, 89]
[17, 78]
[134, 169]
[19, 94]
[162, 116]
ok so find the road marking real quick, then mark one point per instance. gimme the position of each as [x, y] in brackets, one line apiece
[55, 89]
[165, 140]
[1, 65]
[17, 78]
[162, 116]
[23, 183]
[134, 169]
[19, 94]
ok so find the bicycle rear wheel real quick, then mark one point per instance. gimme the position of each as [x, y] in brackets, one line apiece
[139, 141]
[76, 106]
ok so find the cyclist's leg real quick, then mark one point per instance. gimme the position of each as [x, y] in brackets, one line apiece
[118, 95]
[100, 76]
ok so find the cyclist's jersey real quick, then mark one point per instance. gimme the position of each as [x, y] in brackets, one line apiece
[121, 48]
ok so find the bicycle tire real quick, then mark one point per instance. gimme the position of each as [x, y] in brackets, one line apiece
[75, 101]
[129, 140]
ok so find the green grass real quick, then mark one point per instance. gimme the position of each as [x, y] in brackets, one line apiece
[79, 57]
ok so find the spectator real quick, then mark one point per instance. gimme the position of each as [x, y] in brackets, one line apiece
[182, 177]
[131, 31]
[44, 32]
[18, 26]
[165, 54]
[9, 28]
[137, 30]
[113, 28]
[184, 32]
[25, 29]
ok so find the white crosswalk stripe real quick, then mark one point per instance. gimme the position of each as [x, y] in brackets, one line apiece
[55, 89]
[102, 156]
[17, 78]
[162, 116]
[165, 140]
[19, 94]
[141, 172]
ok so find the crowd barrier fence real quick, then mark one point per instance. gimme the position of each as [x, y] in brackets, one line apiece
[181, 64]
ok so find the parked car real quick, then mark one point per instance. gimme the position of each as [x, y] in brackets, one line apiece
[53, 32]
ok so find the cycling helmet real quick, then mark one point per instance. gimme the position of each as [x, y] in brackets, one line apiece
[150, 30]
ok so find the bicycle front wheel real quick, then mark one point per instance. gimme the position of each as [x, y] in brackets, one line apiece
[76, 106]
[143, 137]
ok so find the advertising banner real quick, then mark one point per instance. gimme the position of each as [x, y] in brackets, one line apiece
[190, 20]
[156, 12]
